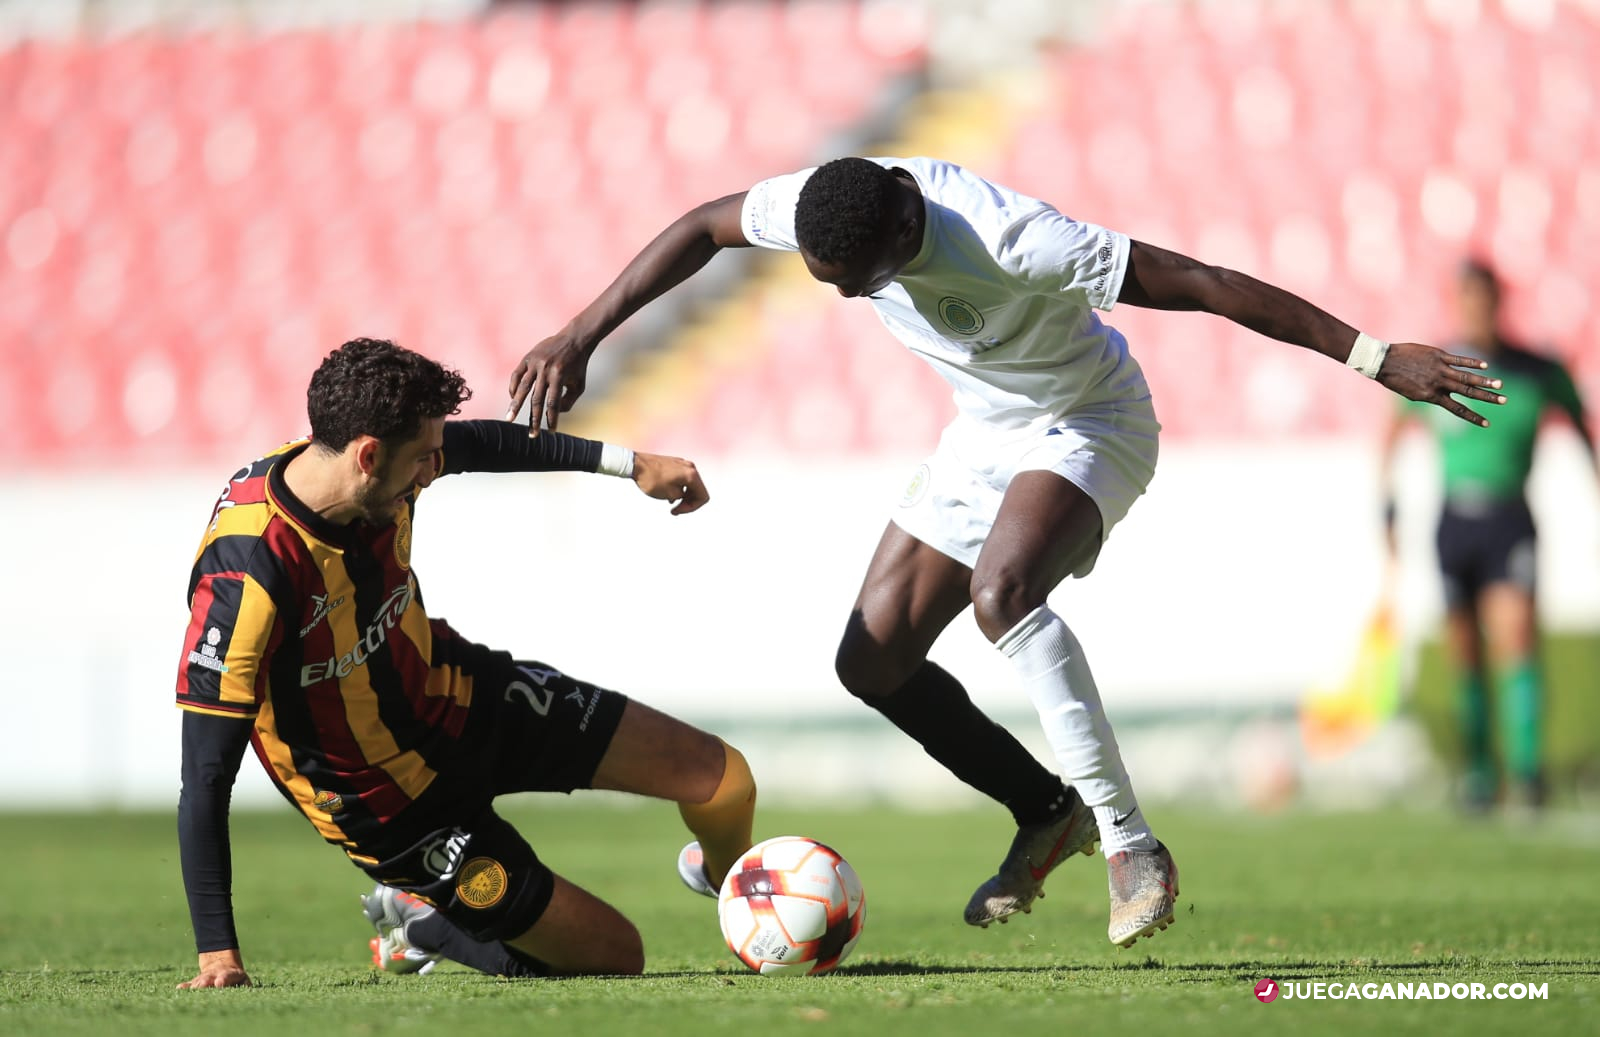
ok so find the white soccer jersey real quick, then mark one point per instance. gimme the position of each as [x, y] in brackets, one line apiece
[1000, 299]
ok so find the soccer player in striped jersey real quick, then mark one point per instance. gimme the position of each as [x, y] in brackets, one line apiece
[1054, 440]
[392, 733]
[1486, 546]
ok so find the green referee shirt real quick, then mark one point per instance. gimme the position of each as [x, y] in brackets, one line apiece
[1483, 465]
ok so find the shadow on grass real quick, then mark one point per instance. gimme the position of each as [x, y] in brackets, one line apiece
[1208, 972]
[1186, 972]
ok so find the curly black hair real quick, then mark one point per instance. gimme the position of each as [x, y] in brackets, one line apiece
[372, 387]
[844, 209]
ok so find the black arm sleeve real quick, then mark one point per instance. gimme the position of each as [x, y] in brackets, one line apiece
[213, 746]
[504, 446]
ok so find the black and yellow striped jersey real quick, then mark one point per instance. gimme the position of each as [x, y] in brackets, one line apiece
[318, 632]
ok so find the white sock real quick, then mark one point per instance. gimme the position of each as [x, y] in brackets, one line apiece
[1056, 676]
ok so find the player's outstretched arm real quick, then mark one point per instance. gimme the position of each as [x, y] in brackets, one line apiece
[1165, 280]
[553, 372]
[671, 479]
[213, 747]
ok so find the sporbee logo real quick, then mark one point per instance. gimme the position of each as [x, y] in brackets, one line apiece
[320, 607]
[377, 635]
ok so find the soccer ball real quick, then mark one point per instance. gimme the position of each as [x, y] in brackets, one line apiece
[791, 905]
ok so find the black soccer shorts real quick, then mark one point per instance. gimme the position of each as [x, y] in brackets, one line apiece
[545, 732]
[1495, 543]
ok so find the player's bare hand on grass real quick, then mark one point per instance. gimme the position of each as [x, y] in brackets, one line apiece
[1430, 375]
[219, 969]
[552, 374]
[672, 479]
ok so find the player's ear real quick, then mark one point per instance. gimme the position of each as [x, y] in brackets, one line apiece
[368, 453]
[908, 236]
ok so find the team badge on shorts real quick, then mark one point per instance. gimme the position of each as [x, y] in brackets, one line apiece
[482, 883]
[960, 316]
[916, 487]
[328, 802]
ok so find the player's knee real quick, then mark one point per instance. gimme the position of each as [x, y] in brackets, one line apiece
[627, 952]
[1002, 598]
[736, 784]
[869, 671]
[620, 952]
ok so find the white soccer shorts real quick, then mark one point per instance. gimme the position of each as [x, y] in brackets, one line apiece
[1107, 451]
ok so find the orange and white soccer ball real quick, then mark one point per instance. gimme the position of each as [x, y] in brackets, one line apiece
[791, 905]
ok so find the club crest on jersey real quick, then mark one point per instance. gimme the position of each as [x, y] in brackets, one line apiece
[328, 802]
[916, 487]
[482, 883]
[402, 540]
[960, 316]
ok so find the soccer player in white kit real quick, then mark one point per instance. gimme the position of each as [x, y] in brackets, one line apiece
[1055, 439]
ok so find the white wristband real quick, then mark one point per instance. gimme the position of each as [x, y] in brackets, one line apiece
[1367, 354]
[615, 460]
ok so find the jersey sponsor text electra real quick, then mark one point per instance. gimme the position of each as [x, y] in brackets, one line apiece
[389, 615]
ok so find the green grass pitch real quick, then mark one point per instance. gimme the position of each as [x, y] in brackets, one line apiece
[94, 933]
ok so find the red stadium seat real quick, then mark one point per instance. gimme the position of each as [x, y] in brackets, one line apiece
[219, 208]
[238, 202]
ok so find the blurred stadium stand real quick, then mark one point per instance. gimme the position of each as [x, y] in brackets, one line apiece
[1350, 152]
[193, 210]
[192, 219]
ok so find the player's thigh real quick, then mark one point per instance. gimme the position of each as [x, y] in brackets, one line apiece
[653, 754]
[1462, 634]
[549, 729]
[580, 934]
[1509, 621]
[910, 593]
[1504, 595]
[1046, 528]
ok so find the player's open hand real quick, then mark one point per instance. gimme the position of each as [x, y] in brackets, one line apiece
[552, 373]
[1430, 375]
[219, 969]
[670, 478]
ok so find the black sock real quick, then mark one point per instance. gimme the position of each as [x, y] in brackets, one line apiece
[933, 708]
[437, 934]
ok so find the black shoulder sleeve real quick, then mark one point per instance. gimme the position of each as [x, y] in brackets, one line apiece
[213, 746]
[504, 446]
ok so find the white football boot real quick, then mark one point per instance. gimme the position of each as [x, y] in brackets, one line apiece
[1144, 888]
[1035, 852]
[390, 911]
[692, 870]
